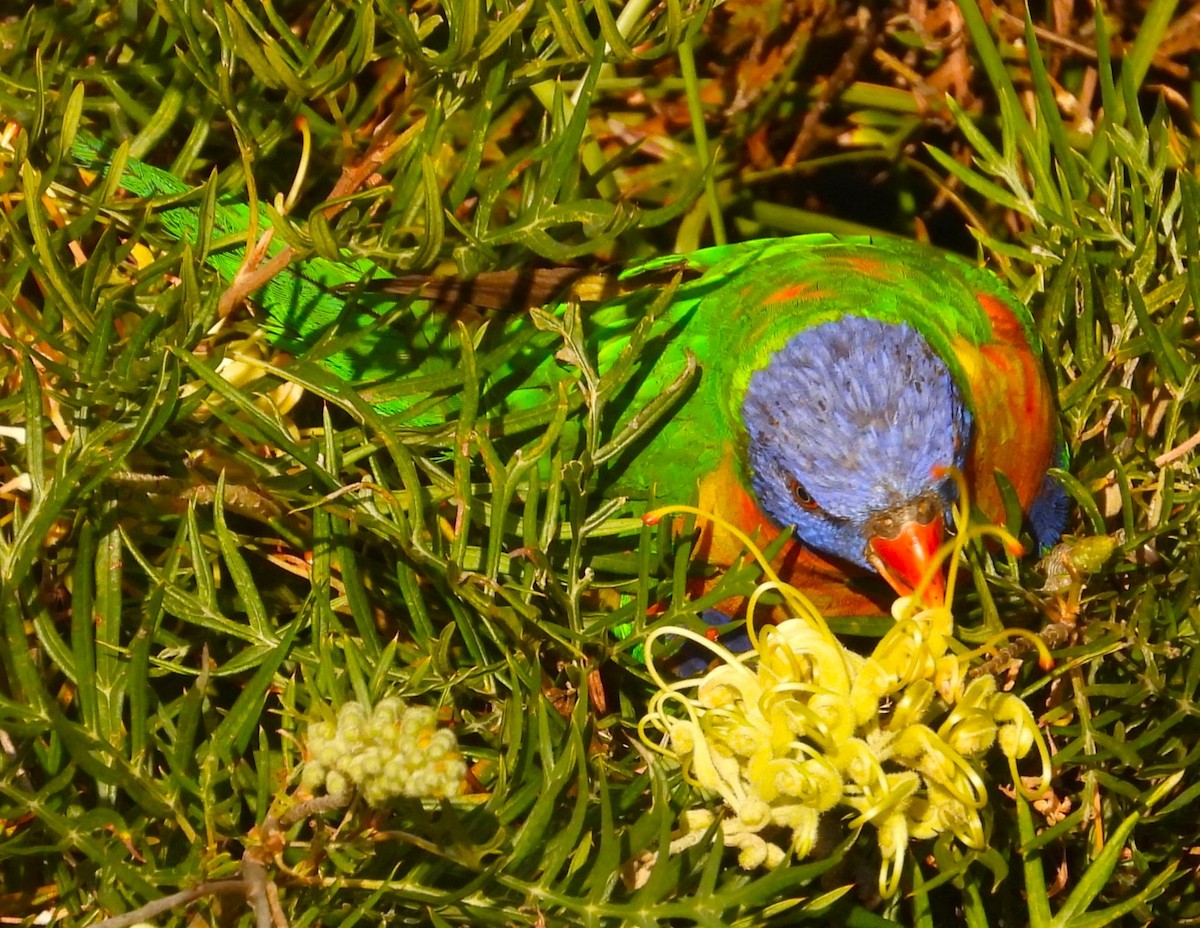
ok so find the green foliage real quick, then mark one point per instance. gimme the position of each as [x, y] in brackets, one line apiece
[191, 571]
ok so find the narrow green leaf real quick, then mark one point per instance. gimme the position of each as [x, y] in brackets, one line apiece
[1166, 355]
[1031, 864]
[1064, 151]
[45, 256]
[232, 736]
[977, 182]
[239, 570]
[1094, 879]
[557, 773]
[111, 668]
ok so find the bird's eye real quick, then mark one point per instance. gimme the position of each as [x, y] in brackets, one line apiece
[802, 497]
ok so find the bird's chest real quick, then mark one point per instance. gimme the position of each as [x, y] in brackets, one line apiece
[834, 587]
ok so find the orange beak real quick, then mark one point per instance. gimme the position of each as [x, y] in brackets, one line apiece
[907, 558]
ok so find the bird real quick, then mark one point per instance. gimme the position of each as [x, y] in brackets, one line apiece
[823, 387]
[843, 382]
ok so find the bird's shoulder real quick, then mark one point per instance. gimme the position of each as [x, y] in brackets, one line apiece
[744, 302]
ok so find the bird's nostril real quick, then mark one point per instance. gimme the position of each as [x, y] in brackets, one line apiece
[884, 526]
[927, 510]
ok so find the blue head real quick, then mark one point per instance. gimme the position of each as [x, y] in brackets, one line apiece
[847, 427]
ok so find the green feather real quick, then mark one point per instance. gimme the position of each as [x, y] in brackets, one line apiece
[736, 314]
[303, 301]
[734, 306]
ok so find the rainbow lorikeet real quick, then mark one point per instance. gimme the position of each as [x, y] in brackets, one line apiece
[839, 380]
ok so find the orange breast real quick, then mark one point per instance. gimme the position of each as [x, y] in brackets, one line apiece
[825, 582]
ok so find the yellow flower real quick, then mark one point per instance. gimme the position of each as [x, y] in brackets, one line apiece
[395, 750]
[800, 727]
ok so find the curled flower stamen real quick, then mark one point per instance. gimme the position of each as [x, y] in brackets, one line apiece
[675, 631]
[801, 730]
[801, 605]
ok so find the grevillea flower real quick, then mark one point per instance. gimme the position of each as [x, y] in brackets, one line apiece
[394, 750]
[800, 728]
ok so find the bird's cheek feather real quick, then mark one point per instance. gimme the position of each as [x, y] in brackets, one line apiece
[907, 558]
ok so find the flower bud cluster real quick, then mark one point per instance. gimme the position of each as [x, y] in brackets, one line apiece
[801, 727]
[395, 750]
